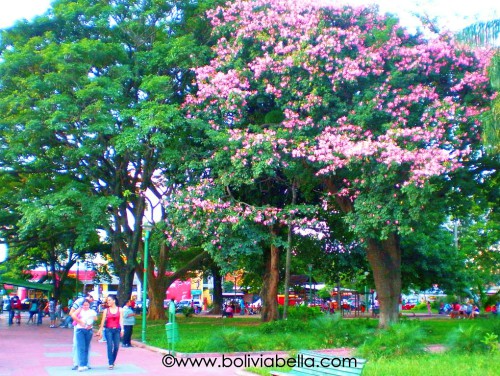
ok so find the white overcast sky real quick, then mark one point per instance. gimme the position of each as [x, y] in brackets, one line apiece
[452, 14]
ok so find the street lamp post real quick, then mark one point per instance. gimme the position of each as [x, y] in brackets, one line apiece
[147, 227]
[310, 267]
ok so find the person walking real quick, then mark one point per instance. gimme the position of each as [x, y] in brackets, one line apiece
[52, 312]
[12, 308]
[84, 318]
[76, 305]
[112, 320]
[16, 307]
[33, 311]
[128, 323]
[41, 308]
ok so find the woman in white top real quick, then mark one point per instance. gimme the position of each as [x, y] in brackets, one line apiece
[84, 318]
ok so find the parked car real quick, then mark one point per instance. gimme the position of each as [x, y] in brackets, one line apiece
[187, 303]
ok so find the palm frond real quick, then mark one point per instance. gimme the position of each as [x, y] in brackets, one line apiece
[481, 34]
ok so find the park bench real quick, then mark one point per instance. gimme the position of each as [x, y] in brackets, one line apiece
[310, 363]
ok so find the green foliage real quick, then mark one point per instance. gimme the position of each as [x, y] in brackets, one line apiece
[301, 312]
[229, 340]
[188, 311]
[490, 340]
[400, 339]
[100, 114]
[339, 332]
[467, 339]
[324, 293]
[284, 326]
[274, 117]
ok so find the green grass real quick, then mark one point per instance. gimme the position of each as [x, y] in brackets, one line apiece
[437, 330]
[209, 334]
[199, 333]
[429, 365]
[436, 365]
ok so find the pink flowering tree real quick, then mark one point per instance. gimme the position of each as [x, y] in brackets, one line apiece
[348, 98]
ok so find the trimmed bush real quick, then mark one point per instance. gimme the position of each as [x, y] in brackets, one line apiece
[301, 312]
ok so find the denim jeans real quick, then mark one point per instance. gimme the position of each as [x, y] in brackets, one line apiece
[127, 335]
[113, 343]
[75, 348]
[83, 338]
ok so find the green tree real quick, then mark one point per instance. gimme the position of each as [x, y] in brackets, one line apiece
[90, 92]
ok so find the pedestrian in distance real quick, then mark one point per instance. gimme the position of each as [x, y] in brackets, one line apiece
[112, 320]
[52, 311]
[41, 308]
[128, 323]
[33, 311]
[84, 318]
[16, 307]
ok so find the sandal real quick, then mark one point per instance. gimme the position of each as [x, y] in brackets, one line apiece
[111, 366]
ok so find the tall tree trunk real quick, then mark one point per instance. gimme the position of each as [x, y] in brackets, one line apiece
[288, 261]
[125, 287]
[270, 285]
[217, 303]
[384, 257]
[156, 297]
[385, 260]
[158, 283]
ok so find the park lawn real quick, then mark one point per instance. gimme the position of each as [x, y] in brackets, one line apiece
[428, 365]
[199, 334]
[437, 330]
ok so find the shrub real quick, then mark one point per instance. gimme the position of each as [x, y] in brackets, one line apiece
[187, 311]
[283, 326]
[301, 312]
[400, 339]
[285, 342]
[339, 332]
[467, 340]
[491, 341]
[229, 340]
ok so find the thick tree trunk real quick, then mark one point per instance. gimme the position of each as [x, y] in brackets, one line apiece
[125, 287]
[157, 288]
[270, 285]
[156, 310]
[217, 303]
[159, 282]
[385, 260]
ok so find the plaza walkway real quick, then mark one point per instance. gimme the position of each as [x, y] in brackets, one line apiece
[41, 351]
